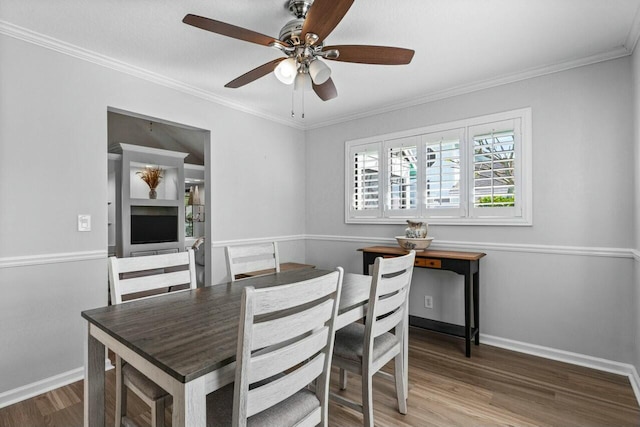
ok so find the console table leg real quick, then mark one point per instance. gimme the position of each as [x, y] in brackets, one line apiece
[476, 304]
[467, 312]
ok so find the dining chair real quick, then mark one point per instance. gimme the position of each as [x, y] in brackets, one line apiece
[252, 258]
[365, 348]
[285, 343]
[137, 278]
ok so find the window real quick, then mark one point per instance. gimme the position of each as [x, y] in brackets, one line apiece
[474, 171]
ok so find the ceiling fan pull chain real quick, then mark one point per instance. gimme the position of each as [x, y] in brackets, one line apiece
[292, 99]
[303, 103]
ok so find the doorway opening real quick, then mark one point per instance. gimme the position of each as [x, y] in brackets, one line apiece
[189, 189]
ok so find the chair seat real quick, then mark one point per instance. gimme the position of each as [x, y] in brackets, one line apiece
[144, 384]
[286, 413]
[349, 343]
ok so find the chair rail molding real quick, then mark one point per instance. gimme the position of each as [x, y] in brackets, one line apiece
[51, 258]
[489, 246]
[63, 257]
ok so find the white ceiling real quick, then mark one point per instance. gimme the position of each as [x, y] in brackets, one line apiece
[460, 45]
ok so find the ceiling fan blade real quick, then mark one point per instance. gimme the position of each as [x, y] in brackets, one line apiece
[254, 74]
[326, 90]
[381, 55]
[227, 29]
[323, 16]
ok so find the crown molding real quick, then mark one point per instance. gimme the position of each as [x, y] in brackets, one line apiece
[108, 62]
[60, 46]
[634, 33]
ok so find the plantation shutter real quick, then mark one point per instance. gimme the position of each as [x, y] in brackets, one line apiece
[495, 169]
[401, 177]
[365, 181]
[443, 183]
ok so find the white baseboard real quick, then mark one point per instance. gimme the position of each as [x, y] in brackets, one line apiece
[34, 389]
[597, 363]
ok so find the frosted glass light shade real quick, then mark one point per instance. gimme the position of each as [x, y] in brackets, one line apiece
[319, 71]
[286, 71]
[302, 83]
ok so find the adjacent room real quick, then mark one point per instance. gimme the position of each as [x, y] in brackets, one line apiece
[320, 212]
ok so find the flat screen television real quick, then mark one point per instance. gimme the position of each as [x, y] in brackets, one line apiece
[154, 229]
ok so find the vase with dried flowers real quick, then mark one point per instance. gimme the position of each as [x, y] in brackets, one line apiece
[152, 176]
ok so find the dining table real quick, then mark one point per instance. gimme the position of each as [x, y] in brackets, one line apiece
[186, 341]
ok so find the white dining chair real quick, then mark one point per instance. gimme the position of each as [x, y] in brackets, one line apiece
[365, 348]
[252, 258]
[146, 277]
[285, 343]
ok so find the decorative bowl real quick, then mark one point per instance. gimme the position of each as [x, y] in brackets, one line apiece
[417, 244]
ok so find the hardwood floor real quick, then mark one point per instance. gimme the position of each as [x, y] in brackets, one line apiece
[495, 387]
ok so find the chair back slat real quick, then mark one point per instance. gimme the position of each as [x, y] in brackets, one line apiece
[395, 264]
[389, 285]
[274, 362]
[387, 323]
[156, 281]
[282, 329]
[148, 273]
[391, 303]
[150, 262]
[285, 342]
[274, 392]
[250, 258]
[297, 294]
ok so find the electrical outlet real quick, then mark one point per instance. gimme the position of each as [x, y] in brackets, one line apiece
[428, 301]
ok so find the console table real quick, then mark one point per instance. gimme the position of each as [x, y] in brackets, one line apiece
[464, 263]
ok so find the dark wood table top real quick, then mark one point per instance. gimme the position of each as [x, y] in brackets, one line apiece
[427, 253]
[285, 266]
[189, 334]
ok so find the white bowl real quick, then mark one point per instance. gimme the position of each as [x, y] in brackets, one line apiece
[417, 244]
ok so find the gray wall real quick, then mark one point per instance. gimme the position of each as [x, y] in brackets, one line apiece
[567, 281]
[564, 283]
[53, 166]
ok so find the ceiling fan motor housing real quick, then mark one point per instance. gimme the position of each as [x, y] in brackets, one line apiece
[291, 31]
[299, 8]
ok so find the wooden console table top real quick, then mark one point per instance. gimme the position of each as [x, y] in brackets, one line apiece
[427, 253]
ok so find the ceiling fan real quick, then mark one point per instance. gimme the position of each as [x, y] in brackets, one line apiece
[301, 40]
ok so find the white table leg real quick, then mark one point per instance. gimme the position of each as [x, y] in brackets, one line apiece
[93, 381]
[190, 406]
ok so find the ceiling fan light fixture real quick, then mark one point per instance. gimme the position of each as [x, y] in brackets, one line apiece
[286, 71]
[319, 71]
[302, 83]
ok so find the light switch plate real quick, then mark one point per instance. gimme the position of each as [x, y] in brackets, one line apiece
[84, 222]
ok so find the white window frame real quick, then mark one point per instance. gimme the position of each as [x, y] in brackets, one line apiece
[466, 214]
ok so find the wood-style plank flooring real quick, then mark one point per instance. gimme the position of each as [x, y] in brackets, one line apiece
[495, 387]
